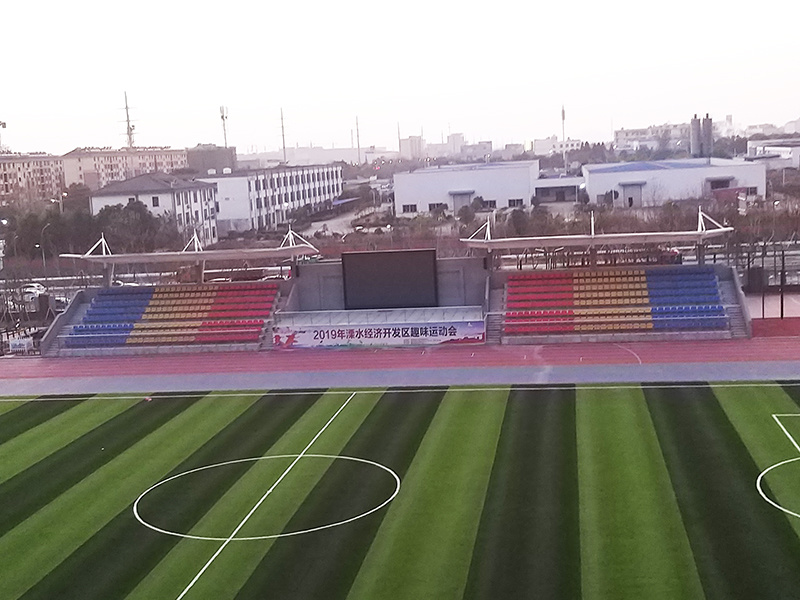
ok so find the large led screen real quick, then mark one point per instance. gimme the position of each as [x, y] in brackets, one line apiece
[393, 279]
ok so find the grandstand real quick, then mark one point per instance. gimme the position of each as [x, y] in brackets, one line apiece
[413, 298]
[661, 300]
[173, 315]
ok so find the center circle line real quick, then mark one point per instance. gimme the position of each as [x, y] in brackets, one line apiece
[273, 536]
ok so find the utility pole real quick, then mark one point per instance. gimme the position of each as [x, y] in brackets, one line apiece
[358, 142]
[283, 137]
[563, 138]
[130, 127]
[399, 148]
[223, 114]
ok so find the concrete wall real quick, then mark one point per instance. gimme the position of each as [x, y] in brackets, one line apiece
[462, 281]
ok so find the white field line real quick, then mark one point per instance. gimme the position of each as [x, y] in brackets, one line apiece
[276, 535]
[778, 421]
[409, 390]
[264, 497]
[636, 356]
[760, 478]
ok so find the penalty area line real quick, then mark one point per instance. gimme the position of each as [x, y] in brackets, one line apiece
[785, 431]
[262, 499]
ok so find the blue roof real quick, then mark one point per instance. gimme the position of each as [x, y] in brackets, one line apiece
[649, 165]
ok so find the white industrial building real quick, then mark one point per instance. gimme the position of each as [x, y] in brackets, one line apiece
[192, 203]
[786, 149]
[652, 183]
[264, 198]
[503, 184]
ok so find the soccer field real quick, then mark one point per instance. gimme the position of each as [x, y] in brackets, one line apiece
[563, 492]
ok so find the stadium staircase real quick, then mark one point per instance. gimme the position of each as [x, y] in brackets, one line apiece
[621, 304]
[170, 318]
[730, 300]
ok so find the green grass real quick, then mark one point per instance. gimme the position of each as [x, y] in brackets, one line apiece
[564, 492]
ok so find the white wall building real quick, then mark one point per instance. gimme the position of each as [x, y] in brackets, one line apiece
[504, 184]
[652, 183]
[193, 203]
[98, 167]
[785, 149]
[30, 177]
[674, 136]
[265, 198]
[413, 148]
[553, 145]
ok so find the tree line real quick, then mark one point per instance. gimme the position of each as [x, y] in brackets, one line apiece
[30, 232]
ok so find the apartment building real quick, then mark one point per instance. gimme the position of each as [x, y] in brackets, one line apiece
[98, 167]
[30, 177]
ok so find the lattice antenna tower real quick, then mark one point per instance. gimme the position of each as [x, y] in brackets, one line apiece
[130, 127]
[223, 115]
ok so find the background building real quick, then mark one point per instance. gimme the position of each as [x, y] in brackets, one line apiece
[786, 149]
[669, 136]
[205, 157]
[192, 203]
[553, 145]
[264, 198]
[652, 183]
[413, 148]
[98, 167]
[30, 177]
[504, 184]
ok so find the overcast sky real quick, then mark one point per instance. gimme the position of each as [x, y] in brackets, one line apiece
[496, 70]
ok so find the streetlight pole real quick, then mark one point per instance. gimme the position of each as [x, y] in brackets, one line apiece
[41, 243]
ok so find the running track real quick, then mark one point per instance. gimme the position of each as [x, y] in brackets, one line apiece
[757, 358]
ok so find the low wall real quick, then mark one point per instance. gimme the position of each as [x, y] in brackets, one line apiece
[391, 327]
[786, 327]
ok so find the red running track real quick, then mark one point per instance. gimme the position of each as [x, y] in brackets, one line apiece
[478, 356]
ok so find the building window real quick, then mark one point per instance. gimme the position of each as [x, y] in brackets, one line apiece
[437, 206]
[752, 191]
[180, 219]
[490, 204]
[155, 201]
[515, 202]
[409, 208]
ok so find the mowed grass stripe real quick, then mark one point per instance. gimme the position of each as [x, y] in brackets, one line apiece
[33, 413]
[38, 442]
[31, 489]
[9, 405]
[424, 546]
[324, 564]
[41, 542]
[742, 546]
[766, 441]
[234, 566]
[528, 542]
[113, 574]
[633, 544]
